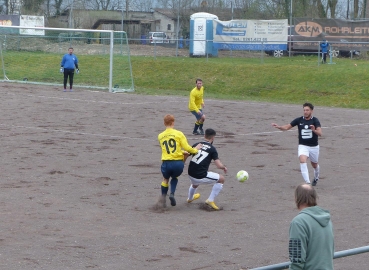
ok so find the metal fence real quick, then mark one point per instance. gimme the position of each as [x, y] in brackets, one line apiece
[339, 254]
[181, 48]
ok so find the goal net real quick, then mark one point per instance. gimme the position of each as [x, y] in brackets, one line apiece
[33, 55]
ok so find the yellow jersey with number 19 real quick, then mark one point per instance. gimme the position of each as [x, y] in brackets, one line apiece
[172, 142]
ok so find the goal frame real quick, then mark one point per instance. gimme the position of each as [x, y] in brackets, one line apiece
[111, 52]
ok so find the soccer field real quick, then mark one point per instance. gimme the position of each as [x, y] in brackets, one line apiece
[81, 174]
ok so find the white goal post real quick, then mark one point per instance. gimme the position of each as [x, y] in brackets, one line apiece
[103, 55]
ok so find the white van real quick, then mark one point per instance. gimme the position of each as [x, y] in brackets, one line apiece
[158, 37]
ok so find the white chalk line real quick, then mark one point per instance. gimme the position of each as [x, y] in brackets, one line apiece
[173, 99]
[148, 139]
[279, 131]
[97, 101]
[78, 133]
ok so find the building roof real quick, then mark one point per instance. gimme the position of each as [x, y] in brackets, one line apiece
[223, 14]
[170, 13]
[110, 21]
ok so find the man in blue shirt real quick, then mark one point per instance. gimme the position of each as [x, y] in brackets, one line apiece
[68, 64]
[324, 47]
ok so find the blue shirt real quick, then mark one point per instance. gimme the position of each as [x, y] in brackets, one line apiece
[69, 61]
[324, 47]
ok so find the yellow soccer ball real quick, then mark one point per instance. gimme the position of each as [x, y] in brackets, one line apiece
[242, 176]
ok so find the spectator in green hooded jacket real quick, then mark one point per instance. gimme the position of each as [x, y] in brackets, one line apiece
[311, 243]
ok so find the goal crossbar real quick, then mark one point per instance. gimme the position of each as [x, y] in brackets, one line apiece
[110, 33]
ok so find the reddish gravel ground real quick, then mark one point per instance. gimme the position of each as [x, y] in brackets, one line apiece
[81, 176]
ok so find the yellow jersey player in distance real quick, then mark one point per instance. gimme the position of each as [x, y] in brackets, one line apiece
[195, 105]
[173, 145]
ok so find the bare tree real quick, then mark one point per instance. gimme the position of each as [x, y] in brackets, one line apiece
[163, 3]
[47, 9]
[332, 4]
[356, 9]
[57, 5]
[3, 5]
[321, 10]
[141, 5]
[31, 6]
[102, 4]
[13, 7]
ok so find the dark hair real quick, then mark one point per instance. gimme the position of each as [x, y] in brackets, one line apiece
[198, 79]
[70, 48]
[307, 104]
[210, 133]
[305, 194]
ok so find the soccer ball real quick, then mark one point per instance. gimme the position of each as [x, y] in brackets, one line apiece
[242, 176]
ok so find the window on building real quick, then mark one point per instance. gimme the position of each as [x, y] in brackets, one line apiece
[169, 27]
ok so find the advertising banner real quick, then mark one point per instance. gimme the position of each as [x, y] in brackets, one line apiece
[9, 20]
[341, 34]
[32, 21]
[250, 34]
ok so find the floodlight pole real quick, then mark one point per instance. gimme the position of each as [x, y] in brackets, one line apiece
[179, 4]
[364, 15]
[122, 34]
[71, 15]
[290, 39]
[348, 10]
[122, 15]
[232, 8]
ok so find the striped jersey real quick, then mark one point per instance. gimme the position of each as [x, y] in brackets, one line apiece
[306, 135]
[199, 165]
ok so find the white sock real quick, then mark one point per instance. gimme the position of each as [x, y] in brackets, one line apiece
[305, 172]
[215, 191]
[316, 172]
[191, 192]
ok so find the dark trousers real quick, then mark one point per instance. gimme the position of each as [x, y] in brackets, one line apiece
[68, 73]
[324, 57]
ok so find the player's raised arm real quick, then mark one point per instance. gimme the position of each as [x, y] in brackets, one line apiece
[283, 128]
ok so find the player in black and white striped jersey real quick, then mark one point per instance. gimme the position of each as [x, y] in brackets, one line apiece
[309, 129]
[199, 166]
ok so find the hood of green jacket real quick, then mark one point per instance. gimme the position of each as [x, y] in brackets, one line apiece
[321, 215]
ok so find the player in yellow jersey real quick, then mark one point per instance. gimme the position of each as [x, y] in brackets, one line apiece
[195, 105]
[173, 146]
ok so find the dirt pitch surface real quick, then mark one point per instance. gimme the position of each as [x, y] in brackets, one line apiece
[80, 175]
